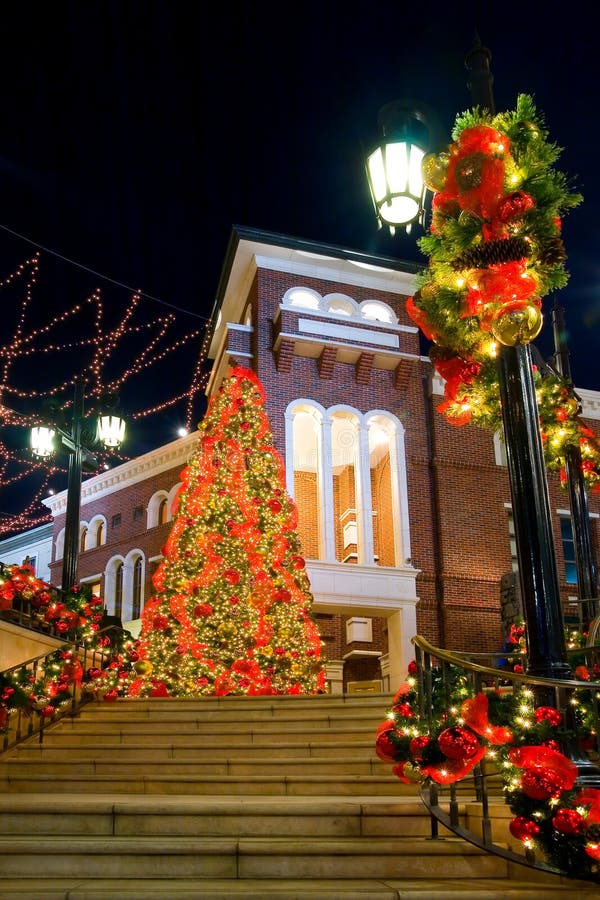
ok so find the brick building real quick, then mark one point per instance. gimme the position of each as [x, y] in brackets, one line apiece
[404, 519]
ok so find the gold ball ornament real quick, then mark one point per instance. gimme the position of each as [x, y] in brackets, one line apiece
[434, 167]
[413, 773]
[226, 629]
[143, 667]
[517, 324]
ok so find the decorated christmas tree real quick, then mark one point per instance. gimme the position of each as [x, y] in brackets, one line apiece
[232, 610]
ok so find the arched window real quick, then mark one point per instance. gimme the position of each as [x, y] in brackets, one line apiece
[163, 511]
[378, 311]
[60, 544]
[83, 539]
[303, 297]
[340, 304]
[136, 591]
[118, 604]
[346, 471]
[100, 534]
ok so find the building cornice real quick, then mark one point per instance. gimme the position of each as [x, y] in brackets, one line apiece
[131, 472]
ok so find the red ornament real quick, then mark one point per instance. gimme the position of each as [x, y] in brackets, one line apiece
[48, 711]
[282, 596]
[111, 696]
[417, 745]
[201, 610]
[458, 743]
[514, 206]
[523, 828]
[541, 783]
[160, 623]
[232, 576]
[568, 821]
[274, 506]
[548, 714]
[412, 667]
[298, 562]
[404, 709]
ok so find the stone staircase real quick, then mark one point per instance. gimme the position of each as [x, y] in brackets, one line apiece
[272, 798]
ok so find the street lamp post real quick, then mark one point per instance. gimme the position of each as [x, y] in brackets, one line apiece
[110, 433]
[538, 573]
[578, 502]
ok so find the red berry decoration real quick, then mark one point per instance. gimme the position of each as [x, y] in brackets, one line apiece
[458, 743]
[548, 714]
[523, 828]
[568, 821]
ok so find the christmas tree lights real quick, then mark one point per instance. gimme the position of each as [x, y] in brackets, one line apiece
[232, 610]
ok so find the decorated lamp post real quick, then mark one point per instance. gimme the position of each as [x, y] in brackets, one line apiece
[110, 433]
[495, 251]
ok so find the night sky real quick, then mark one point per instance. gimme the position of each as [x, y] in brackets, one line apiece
[136, 134]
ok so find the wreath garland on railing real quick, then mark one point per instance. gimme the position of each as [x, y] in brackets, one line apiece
[495, 250]
[522, 740]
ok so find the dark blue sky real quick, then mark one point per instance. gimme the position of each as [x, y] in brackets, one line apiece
[135, 134]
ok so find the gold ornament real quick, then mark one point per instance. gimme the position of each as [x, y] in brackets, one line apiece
[226, 629]
[434, 167]
[143, 667]
[413, 773]
[517, 324]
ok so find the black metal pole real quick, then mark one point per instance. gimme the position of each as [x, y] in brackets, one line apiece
[542, 609]
[71, 549]
[578, 500]
[538, 575]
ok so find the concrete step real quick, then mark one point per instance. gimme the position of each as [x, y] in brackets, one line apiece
[107, 815]
[149, 765]
[252, 857]
[275, 704]
[89, 732]
[237, 785]
[171, 888]
[198, 749]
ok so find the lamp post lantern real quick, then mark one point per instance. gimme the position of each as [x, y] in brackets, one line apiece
[110, 432]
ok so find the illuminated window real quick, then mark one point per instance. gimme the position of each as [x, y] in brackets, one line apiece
[568, 546]
[83, 539]
[302, 297]
[118, 601]
[378, 312]
[346, 472]
[136, 592]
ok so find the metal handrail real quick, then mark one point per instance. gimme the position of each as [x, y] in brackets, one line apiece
[442, 801]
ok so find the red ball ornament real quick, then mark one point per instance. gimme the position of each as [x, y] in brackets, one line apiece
[245, 426]
[541, 783]
[523, 828]
[48, 711]
[417, 745]
[232, 576]
[298, 562]
[568, 821]
[111, 696]
[274, 506]
[458, 743]
[412, 667]
[404, 709]
[160, 623]
[282, 596]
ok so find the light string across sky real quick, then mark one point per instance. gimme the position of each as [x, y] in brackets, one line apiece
[107, 355]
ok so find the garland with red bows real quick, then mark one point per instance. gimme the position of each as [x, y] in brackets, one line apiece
[495, 250]
[522, 740]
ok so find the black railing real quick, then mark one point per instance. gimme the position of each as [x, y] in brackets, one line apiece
[465, 807]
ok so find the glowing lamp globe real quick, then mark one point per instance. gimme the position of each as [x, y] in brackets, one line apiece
[42, 441]
[111, 430]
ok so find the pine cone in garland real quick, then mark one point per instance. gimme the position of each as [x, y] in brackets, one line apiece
[492, 253]
[552, 252]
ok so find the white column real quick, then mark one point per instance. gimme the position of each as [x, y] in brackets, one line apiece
[364, 499]
[402, 626]
[326, 488]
